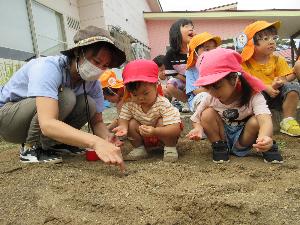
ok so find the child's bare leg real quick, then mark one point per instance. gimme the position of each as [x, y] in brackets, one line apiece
[171, 139]
[250, 133]
[297, 70]
[133, 132]
[213, 125]
[289, 106]
[176, 93]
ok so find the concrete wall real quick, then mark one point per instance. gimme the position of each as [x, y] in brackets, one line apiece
[129, 16]
[158, 31]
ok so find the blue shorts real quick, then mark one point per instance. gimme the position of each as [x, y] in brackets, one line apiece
[276, 103]
[233, 134]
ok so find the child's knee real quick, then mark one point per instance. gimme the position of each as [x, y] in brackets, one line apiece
[292, 95]
[133, 125]
[252, 123]
[208, 114]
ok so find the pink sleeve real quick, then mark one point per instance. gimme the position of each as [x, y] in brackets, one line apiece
[259, 105]
[201, 107]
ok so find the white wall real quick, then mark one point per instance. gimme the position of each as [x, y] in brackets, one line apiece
[91, 13]
[127, 14]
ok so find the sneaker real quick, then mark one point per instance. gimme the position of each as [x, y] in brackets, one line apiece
[137, 153]
[220, 152]
[290, 127]
[177, 105]
[67, 149]
[37, 155]
[273, 155]
[185, 108]
[170, 154]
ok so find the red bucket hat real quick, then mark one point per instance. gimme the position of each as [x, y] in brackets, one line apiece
[218, 63]
[140, 70]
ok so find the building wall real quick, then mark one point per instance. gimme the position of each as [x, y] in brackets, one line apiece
[128, 15]
[158, 31]
[68, 8]
[91, 13]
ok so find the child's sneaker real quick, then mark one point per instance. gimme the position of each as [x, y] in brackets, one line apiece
[273, 155]
[137, 153]
[170, 154]
[290, 127]
[177, 105]
[36, 154]
[67, 149]
[220, 152]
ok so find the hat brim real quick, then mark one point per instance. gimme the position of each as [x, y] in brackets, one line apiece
[118, 56]
[207, 80]
[248, 50]
[118, 84]
[191, 59]
[142, 78]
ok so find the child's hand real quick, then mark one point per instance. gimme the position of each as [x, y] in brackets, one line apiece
[195, 134]
[263, 144]
[278, 82]
[271, 91]
[146, 131]
[114, 140]
[120, 131]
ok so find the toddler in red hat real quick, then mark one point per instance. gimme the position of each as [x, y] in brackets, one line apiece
[146, 117]
[234, 116]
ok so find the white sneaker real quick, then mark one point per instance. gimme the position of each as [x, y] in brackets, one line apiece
[137, 153]
[170, 154]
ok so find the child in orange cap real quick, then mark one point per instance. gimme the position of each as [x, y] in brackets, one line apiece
[234, 115]
[259, 61]
[200, 43]
[147, 117]
[113, 91]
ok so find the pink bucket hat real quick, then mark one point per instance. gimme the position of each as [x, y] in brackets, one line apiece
[140, 70]
[218, 63]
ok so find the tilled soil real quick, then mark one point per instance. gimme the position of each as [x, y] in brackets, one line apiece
[192, 191]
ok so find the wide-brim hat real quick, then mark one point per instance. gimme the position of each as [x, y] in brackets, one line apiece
[250, 31]
[218, 63]
[197, 40]
[109, 79]
[91, 35]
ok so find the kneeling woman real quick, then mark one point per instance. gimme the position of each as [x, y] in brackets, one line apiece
[44, 103]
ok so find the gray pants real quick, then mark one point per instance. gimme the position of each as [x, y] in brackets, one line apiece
[19, 121]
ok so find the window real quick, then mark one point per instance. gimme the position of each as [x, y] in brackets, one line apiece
[49, 30]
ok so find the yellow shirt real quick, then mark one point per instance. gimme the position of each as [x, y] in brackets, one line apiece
[275, 67]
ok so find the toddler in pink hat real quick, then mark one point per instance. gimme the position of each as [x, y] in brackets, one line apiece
[146, 117]
[234, 116]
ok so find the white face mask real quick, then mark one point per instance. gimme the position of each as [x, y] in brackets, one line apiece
[88, 71]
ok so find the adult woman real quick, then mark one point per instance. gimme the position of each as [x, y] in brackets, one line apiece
[44, 101]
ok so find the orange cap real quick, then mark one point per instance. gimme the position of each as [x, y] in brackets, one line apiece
[109, 79]
[250, 31]
[197, 40]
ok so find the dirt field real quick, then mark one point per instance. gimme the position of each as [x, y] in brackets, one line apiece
[192, 191]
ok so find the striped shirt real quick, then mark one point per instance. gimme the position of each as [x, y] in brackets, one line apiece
[162, 108]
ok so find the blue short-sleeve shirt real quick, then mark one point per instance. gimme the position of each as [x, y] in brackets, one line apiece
[42, 77]
[191, 75]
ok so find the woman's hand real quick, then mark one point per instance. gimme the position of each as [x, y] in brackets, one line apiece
[110, 154]
[263, 144]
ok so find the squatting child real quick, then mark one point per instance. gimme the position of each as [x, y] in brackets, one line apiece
[259, 61]
[235, 116]
[146, 117]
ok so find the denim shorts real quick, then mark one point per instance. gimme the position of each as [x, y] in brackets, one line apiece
[179, 84]
[276, 103]
[233, 134]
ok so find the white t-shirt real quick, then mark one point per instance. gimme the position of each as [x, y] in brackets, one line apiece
[232, 112]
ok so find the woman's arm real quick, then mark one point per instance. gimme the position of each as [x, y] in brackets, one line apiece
[47, 110]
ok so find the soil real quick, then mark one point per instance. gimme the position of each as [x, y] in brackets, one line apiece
[192, 191]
